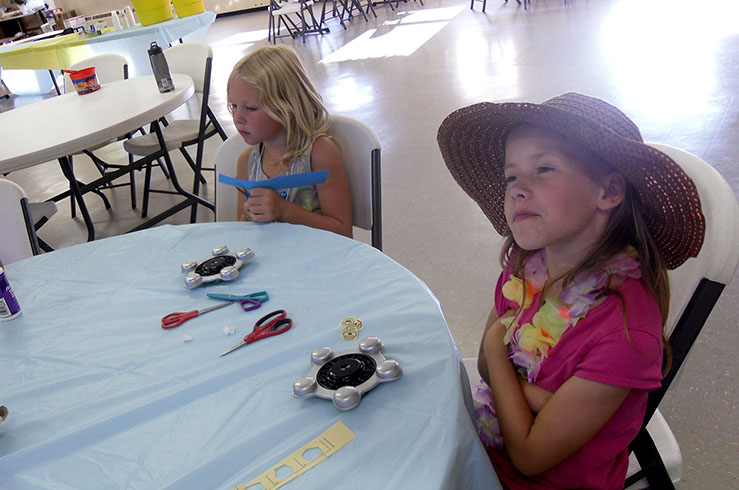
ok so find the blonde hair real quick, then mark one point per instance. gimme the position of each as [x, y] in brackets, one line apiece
[286, 94]
[625, 226]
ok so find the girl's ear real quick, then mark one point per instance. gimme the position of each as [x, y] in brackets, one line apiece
[614, 191]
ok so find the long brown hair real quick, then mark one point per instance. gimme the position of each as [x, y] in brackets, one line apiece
[625, 226]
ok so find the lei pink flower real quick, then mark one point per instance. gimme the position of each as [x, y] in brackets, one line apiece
[488, 428]
[529, 344]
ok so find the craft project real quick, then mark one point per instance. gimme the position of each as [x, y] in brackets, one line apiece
[345, 376]
[301, 461]
[221, 266]
[277, 183]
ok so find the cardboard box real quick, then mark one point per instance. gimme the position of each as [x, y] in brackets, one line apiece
[98, 20]
[75, 23]
[60, 16]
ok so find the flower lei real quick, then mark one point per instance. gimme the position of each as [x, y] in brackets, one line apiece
[529, 344]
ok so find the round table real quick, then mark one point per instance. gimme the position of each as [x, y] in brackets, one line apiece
[67, 124]
[101, 397]
[60, 126]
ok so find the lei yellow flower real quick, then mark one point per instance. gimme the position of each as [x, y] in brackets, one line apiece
[531, 342]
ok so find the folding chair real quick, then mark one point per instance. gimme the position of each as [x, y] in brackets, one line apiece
[108, 68]
[41, 212]
[279, 14]
[348, 7]
[484, 4]
[194, 59]
[526, 3]
[225, 160]
[397, 3]
[695, 287]
[360, 151]
[18, 235]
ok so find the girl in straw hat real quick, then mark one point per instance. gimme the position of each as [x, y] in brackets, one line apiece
[276, 109]
[593, 218]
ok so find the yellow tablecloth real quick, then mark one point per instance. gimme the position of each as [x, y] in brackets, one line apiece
[56, 53]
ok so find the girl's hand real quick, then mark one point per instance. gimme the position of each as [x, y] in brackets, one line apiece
[265, 205]
[495, 325]
[496, 332]
[535, 395]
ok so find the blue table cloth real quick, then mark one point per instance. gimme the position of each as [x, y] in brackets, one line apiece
[100, 396]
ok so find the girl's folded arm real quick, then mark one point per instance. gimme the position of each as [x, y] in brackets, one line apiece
[566, 422]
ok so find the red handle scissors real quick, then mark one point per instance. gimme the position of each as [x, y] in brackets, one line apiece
[274, 323]
[176, 319]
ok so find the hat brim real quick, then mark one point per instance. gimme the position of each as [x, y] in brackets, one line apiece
[472, 142]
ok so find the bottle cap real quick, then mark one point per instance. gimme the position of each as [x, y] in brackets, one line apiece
[154, 49]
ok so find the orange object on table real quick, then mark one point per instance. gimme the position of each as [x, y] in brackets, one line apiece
[85, 80]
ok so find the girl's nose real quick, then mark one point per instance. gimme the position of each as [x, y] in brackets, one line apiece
[518, 189]
[239, 117]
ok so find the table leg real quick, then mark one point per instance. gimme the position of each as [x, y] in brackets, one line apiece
[53, 79]
[78, 189]
[197, 177]
[77, 195]
[191, 199]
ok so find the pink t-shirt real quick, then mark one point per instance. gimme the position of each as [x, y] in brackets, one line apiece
[598, 349]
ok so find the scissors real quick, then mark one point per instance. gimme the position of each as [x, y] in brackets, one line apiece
[260, 296]
[178, 318]
[274, 323]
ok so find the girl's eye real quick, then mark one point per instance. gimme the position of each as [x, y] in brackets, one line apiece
[510, 179]
[543, 170]
[231, 107]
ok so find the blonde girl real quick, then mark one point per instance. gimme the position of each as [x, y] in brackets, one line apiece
[593, 219]
[277, 110]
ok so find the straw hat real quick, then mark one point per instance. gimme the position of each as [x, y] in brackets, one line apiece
[472, 142]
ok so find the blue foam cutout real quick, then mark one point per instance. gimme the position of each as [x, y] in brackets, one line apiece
[277, 183]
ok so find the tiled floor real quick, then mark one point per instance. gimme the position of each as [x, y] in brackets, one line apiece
[673, 66]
